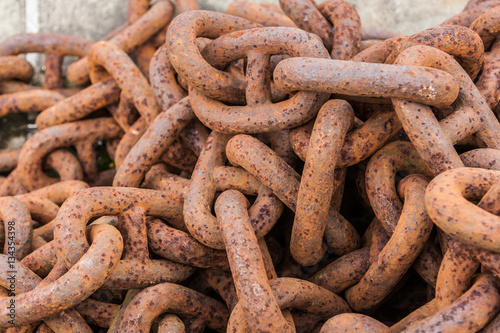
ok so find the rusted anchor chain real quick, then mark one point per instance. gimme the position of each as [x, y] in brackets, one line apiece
[260, 13]
[299, 10]
[455, 214]
[172, 298]
[163, 79]
[273, 172]
[8, 159]
[53, 72]
[381, 173]
[335, 21]
[135, 85]
[200, 194]
[80, 105]
[56, 193]
[97, 313]
[410, 235]
[470, 13]
[343, 272]
[117, 201]
[433, 87]
[487, 26]
[181, 45]
[475, 309]
[259, 114]
[55, 47]
[247, 265]
[28, 101]
[43, 142]
[62, 161]
[297, 294]
[106, 59]
[469, 52]
[12, 67]
[471, 4]
[160, 134]
[60, 322]
[435, 146]
[17, 227]
[143, 53]
[181, 247]
[43, 302]
[67, 165]
[45, 43]
[129, 38]
[317, 185]
[353, 322]
[359, 144]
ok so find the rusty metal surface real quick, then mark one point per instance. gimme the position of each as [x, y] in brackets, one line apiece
[262, 172]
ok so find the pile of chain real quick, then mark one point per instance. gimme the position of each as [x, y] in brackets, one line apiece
[266, 170]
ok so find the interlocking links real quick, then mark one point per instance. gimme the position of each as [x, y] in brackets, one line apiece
[259, 114]
[260, 13]
[297, 294]
[28, 101]
[159, 135]
[308, 17]
[462, 43]
[317, 182]
[273, 172]
[63, 321]
[172, 298]
[43, 142]
[434, 140]
[247, 265]
[210, 176]
[354, 322]
[181, 247]
[17, 227]
[106, 58]
[44, 43]
[380, 179]
[185, 56]
[80, 104]
[129, 38]
[359, 144]
[102, 255]
[447, 202]
[12, 67]
[335, 21]
[412, 231]
[346, 28]
[469, 313]
[423, 85]
[81, 207]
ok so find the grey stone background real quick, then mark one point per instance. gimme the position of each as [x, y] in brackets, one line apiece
[95, 18]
